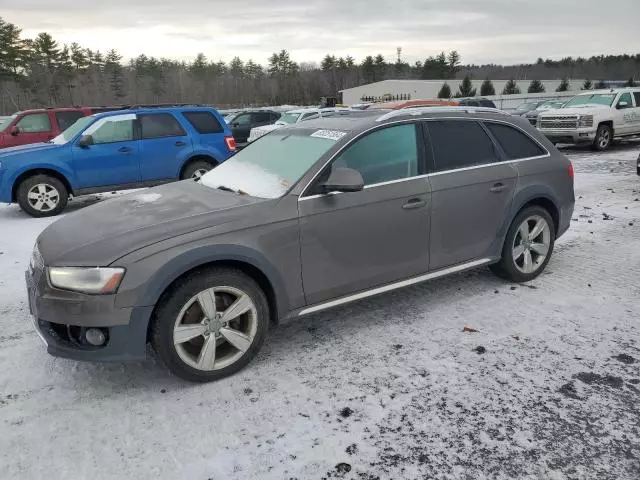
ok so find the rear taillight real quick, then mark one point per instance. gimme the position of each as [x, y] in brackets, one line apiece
[231, 143]
[570, 170]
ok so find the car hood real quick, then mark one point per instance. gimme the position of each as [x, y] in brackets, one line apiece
[100, 234]
[10, 152]
[577, 110]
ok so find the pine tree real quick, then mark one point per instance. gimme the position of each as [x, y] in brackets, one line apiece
[564, 85]
[115, 73]
[487, 88]
[442, 66]
[466, 88]
[536, 86]
[368, 69]
[511, 88]
[13, 51]
[587, 85]
[445, 91]
[454, 63]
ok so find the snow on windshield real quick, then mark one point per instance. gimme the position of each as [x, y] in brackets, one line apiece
[246, 178]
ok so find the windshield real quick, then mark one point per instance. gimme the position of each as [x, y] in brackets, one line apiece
[595, 99]
[550, 105]
[288, 118]
[70, 133]
[4, 123]
[269, 167]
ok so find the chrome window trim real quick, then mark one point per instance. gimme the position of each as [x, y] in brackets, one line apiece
[426, 175]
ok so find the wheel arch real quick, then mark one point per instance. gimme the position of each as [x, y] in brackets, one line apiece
[39, 171]
[244, 259]
[538, 195]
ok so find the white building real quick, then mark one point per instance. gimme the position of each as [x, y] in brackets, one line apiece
[426, 89]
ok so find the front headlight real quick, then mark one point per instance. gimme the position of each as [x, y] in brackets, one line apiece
[585, 121]
[95, 281]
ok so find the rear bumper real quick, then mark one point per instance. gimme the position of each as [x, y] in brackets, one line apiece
[564, 220]
[61, 318]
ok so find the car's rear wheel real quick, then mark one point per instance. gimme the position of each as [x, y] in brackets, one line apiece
[528, 246]
[210, 325]
[196, 169]
[42, 196]
[604, 138]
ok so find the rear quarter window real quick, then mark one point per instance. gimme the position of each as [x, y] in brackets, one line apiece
[459, 144]
[515, 143]
[203, 122]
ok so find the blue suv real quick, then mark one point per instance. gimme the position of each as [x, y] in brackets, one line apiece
[132, 148]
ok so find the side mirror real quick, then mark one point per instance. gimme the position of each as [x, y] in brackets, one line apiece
[85, 141]
[342, 180]
[622, 105]
[14, 131]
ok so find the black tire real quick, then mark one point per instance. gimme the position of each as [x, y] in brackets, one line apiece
[192, 168]
[172, 303]
[604, 138]
[53, 191]
[507, 268]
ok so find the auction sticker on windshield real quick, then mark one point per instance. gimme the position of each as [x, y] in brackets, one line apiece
[329, 134]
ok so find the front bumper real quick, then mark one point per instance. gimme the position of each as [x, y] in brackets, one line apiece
[562, 135]
[59, 316]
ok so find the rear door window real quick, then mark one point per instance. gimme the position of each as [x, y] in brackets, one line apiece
[460, 144]
[34, 123]
[66, 119]
[159, 125]
[515, 143]
[261, 118]
[204, 122]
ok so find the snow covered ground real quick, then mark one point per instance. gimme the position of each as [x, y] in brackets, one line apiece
[388, 388]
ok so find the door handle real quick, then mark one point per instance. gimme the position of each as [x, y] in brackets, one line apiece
[497, 188]
[124, 149]
[180, 143]
[414, 203]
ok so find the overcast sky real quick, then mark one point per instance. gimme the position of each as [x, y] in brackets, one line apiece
[483, 31]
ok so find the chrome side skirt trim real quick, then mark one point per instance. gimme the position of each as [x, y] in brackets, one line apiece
[393, 286]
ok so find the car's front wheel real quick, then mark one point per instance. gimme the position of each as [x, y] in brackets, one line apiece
[210, 325]
[604, 138]
[42, 196]
[528, 246]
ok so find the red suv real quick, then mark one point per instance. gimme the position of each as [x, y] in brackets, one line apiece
[41, 125]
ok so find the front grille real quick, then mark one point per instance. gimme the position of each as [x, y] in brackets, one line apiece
[559, 122]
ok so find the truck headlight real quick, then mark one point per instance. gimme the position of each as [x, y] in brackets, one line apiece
[95, 281]
[585, 121]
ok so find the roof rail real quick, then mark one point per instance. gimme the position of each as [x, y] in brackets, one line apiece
[166, 105]
[415, 111]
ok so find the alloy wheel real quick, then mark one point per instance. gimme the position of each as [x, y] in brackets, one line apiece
[43, 197]
[215, 328]
[531, 244]
[197, 175]
[604, 139]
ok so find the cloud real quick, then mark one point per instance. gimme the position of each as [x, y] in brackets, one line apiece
[490, 31]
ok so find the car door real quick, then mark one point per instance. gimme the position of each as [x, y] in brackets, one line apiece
[164, 143]
[635, 113]
[31, 128]
[472, 191]
[624, 114]
[241, 126]
[356, 241]
[113, 156]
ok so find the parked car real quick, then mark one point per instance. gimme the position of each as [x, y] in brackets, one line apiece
[42, 125]
[312, 216]
[114, 151]
[291, 117]
[477, 102]
[400, 104]
[594, 117]
[532, 115]
[242, 122]
[526, 107]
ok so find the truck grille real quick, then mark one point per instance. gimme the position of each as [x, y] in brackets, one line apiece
[558, 122]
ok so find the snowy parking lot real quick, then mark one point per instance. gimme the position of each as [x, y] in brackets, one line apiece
[546, 386]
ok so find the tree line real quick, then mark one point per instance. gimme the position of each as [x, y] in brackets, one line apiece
[40, 72]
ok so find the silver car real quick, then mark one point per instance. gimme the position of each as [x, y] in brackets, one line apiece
[310, 217]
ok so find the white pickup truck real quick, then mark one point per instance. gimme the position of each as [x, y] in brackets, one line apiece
[596, 117]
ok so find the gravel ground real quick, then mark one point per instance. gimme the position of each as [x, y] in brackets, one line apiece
[548, 387]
